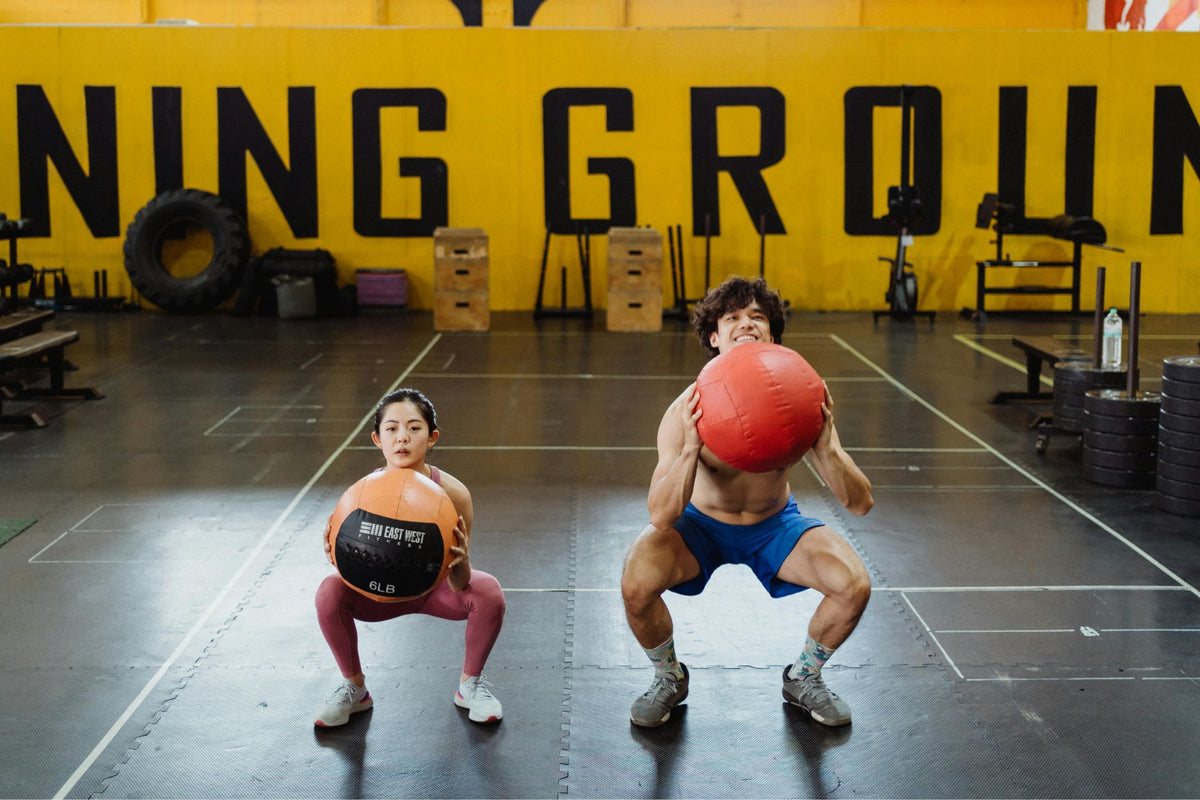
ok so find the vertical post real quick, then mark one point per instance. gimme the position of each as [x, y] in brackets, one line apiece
[682, 283]
[1135, 282]
[762, 246]
[1098, 329]
[707, 251]
[671, 251]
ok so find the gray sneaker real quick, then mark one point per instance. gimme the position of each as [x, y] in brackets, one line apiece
[654, 707]
[812, 696]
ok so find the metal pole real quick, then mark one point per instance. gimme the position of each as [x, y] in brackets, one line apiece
[1098, 331]
[762, 245]
[1135, 282]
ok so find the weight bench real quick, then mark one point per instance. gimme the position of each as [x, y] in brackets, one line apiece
[20, 323]
[41, 350]
[1039, 349]
[1079, 231]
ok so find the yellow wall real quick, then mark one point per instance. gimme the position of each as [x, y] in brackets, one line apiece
[494, 81]
[1021, 14]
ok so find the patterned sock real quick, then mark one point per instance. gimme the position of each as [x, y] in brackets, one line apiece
[664, 659]
[809, 662]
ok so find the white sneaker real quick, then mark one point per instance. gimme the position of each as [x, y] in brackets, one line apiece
[474, 696]
[348, 698]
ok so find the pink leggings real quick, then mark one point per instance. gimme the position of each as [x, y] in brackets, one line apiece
[481, 604]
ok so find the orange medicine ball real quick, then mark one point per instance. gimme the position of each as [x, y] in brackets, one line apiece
[762, 406]
[390, 535]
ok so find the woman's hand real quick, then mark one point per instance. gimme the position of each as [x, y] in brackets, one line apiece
[461, 551]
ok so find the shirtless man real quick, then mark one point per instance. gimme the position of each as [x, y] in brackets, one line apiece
[704, 513]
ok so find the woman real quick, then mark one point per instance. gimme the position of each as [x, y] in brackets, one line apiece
[405, 431]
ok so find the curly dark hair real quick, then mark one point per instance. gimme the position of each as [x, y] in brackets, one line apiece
[734, 294]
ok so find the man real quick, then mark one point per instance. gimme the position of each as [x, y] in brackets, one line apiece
[704, 513]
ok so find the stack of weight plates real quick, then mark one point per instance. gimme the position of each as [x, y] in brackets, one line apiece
[1120, 437]
[1179, 437]
[1071, 380]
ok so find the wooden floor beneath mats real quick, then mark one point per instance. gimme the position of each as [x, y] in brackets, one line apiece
[1030, 634]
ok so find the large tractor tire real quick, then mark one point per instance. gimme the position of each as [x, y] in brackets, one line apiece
[163, 219]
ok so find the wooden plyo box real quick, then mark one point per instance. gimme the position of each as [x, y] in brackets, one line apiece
[460, 243]
[634, 310]
[460, 279]
[634, 259]
[461, 311]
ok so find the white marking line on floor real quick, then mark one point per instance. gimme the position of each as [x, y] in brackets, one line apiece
[1017, 467]
[1019, 367]
[231, 585]
[312, 361]
[1071, 630]
[516, 447]
[932, 635]
[1121, 587]
[917, 450]
[75, 527]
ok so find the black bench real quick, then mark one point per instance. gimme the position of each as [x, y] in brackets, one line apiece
[1038, 350]
[21, 323]
[41, 350]
[1079, 231]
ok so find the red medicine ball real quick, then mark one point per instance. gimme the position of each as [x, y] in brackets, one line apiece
[762, 406]
[390, 535]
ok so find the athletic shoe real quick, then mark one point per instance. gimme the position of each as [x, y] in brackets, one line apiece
[812, 696]
[348, 698]
[474, 696]
[654, 707]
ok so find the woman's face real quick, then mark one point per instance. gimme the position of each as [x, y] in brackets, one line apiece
[403, 436]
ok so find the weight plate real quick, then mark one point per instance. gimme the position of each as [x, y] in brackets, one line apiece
[1182, 368]
[1116, 403]
[1174, 505]
[1082, 372]
[1180, 405]
[1178, 472]
[1178, 489]
[1110, 459]
[1178, 422]
[1177, 455]
[1180, 439]
[1118, 443]
[1180, 389]
[1127, 426]
[1123, 478]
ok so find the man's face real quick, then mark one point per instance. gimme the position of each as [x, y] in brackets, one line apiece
[749, 324]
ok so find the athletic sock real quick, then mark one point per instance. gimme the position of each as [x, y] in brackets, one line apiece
[664, 659]
[809, 662]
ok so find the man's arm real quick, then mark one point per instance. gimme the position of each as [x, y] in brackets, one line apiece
[678, 456]
[835, 466]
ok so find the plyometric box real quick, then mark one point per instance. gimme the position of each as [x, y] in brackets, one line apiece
[460, 279]
[635, 259]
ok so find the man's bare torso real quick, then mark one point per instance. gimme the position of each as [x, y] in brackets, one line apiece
[729, 494]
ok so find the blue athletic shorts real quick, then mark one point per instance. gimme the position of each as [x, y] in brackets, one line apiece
[762, 546]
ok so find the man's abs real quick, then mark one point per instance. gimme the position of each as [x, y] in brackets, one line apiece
[737, 497]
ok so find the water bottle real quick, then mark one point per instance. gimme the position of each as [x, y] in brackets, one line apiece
[1110, 352]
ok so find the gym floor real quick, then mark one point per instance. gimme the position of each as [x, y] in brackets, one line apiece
[1030, 634]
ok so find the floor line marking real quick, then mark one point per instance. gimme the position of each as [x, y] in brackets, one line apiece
[1013, 630]
[537, 447]
[958, 337]
[1017, 467]
[229, 586]
[1006, 679]
[588, 376]
[1132, 587]
[932, 635]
